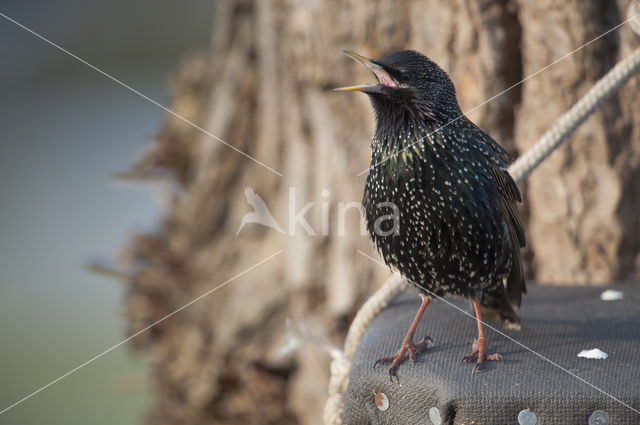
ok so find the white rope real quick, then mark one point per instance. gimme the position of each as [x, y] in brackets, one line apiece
[520, 170]
[341, 363]
[580, 111]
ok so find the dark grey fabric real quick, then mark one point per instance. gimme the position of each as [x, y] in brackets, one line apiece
[557, 323]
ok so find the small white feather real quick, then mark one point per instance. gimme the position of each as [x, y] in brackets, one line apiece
[595, 353]
[611, 295]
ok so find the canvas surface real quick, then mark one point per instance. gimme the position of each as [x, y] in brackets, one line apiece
[557, 323]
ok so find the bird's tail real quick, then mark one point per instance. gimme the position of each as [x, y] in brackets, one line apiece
[503, 311]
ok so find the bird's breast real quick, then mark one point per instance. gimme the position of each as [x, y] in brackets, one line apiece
[429, 219]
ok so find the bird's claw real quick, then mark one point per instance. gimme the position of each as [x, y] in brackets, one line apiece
[408, 347]
[422, 345]
[495, 357]
[479, 354]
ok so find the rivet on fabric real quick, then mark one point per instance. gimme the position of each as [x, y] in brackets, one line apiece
[434, 416]
[599, 417]
[381, 400]
[527, 417]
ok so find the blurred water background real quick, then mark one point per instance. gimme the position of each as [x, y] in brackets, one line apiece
[63, 130]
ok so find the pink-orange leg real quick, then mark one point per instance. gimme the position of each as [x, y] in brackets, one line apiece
[478, 349]
[408, 346]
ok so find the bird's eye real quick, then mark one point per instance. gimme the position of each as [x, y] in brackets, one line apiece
[405, 77]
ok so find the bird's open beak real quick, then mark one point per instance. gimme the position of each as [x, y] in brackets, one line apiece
[384, 79]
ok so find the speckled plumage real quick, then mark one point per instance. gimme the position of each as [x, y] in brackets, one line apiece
[459, 230]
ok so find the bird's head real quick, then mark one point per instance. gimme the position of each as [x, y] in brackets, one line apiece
[409, 83]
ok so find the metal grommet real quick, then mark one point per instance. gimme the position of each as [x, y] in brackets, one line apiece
[599, 417]
[527, 417]
[381, 400]
[434, 416]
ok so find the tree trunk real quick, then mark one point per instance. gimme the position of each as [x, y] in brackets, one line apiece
[266, 89]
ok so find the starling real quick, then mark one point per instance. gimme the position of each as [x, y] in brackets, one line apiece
[458, 230]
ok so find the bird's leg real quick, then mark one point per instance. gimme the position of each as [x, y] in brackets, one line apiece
[408, 346]
[478, 349]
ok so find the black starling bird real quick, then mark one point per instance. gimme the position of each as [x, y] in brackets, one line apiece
[458, 230]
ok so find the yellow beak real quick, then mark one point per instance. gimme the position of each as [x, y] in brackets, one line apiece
[361, 87]
[375, 68]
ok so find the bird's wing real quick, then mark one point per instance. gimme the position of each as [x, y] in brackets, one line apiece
[498, 150]
[510, 196]
[510, 192]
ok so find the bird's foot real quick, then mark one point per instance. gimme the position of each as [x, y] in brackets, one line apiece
[478, 352]
[408, 346]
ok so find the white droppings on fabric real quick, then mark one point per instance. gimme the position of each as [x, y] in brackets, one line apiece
[611, 295]
[595, 353]
[434, 416]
